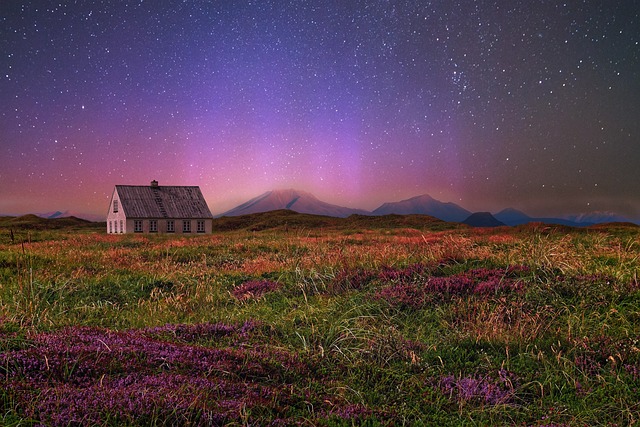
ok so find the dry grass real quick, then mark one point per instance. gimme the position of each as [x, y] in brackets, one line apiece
[499, 321]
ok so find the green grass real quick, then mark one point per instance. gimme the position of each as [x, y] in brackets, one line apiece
[568, 339]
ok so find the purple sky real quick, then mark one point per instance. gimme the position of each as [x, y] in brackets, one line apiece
[488, 104]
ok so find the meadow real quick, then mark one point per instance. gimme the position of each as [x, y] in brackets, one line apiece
[290, 319]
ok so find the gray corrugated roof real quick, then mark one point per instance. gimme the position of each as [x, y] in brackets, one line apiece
[140, 201]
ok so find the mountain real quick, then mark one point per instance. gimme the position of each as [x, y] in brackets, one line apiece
[295, 200]
[425, 205]
[482, 219]
[512, 216]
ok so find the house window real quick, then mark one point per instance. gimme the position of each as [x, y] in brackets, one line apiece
[137, 226]
[171, 226]
[115, 226]
[186, 226]
[200, 226]
[153, 226]
[110, 227]
[115, 206]
[121, 226]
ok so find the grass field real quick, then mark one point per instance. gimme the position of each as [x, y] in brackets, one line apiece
[282, 318]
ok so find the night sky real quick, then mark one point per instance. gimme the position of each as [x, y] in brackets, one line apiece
[489, 104]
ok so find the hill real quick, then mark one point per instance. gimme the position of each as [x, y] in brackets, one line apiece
[280, 218]
[288, 219]
[34, 222]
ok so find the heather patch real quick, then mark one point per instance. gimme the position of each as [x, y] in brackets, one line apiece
[480, 390]
[407, 292]
[87, 376]
[204, 332]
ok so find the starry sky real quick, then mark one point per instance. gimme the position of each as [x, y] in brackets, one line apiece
[531, 104]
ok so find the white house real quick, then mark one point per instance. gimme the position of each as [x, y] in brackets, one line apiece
[158, 209]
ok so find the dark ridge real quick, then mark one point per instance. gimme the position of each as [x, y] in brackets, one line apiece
[482, 219]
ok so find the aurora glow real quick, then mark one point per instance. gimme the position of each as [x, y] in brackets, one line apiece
[489, 104]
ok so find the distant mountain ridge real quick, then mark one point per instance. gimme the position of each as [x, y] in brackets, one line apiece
[515, 217]
[304, 202]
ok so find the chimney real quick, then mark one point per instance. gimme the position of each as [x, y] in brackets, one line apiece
[154, 183]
